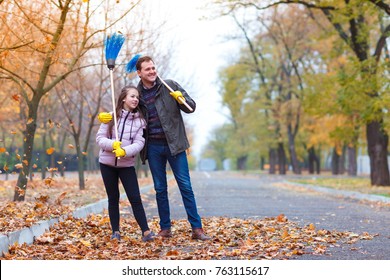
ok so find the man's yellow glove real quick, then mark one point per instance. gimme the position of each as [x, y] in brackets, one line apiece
[116, 145]
[105, 117]
[119, 152]
[178, 96]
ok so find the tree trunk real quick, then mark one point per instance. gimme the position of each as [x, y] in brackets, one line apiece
[272, 160]
[262, 162]
[377, 142]
[43, 157]
[241, 162]
[314, 161]
[352, 161]
[281, 159]
[28, 144]
[335, 162]
[291, 147]
[342, 161]
[81, 166]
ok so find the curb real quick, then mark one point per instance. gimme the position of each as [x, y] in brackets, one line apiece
[28, 235]
[343, 193]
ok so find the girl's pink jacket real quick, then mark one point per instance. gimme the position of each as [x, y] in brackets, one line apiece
[130, 131]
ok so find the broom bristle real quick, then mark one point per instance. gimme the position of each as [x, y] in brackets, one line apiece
[113, 45]
[131, 65]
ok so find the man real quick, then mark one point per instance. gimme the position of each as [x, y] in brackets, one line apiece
[166, 141]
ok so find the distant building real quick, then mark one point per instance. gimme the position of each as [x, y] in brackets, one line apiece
[207, 164]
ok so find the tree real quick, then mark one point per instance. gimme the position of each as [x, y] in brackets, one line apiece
[352, 20]
[45, 56]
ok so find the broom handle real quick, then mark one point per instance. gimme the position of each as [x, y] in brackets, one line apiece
[113, 105]
[171, 90]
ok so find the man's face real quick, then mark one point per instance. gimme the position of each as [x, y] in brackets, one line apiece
[148, 73]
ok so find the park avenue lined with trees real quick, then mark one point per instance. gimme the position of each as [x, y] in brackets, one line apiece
[310, 82]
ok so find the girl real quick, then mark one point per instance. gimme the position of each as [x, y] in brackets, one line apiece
[117, 159]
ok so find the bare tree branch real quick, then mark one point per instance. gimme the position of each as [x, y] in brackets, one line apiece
[17, 46]
[383, 6]
[381, 43]
[251, 4]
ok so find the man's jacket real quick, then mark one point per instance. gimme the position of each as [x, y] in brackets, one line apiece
[168, 110]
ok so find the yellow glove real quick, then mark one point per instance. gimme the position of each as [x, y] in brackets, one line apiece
[116, 145]
[178, 96]
[119, 152]
[105, 117]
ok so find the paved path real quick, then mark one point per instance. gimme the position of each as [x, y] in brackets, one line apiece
[230, 195]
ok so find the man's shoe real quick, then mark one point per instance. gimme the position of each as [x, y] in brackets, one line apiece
[166, 233]
[198, 233]
[116, 235]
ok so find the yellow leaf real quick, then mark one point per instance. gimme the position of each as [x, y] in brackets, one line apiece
[59, 162]
[30, 120]
[50, 151]
[48, 181]
[312, 227]
[285, 234]
[52, 169]
[86, 243]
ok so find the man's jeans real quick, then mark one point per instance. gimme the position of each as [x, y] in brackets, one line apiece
[158, 155]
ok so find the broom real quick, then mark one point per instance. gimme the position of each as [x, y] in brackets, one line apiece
[131, 67]
[113, 44]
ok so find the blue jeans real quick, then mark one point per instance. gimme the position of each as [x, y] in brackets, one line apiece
[158, 156]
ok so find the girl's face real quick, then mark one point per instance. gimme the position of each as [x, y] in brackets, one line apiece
[131, 100]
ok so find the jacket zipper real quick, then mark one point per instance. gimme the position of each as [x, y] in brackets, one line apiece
[123, 130]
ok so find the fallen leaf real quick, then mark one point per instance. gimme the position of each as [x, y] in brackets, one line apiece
[50, 151]
[18, 166]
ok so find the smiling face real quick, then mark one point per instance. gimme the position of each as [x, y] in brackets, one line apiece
[130, 102]
[148, 73]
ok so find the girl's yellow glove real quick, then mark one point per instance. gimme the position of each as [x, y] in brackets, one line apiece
[105, 117]
[119, 152]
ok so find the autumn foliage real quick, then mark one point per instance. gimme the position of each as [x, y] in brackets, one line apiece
[89, 238]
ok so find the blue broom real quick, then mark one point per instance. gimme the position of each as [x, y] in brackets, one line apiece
[131, 67]
[113, 45]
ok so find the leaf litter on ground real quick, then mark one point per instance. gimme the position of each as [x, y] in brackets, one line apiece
[232, 238]
[89, 238]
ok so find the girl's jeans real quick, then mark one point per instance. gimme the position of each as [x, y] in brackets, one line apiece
[128, 177]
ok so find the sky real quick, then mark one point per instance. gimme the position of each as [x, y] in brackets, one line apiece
[201, 51]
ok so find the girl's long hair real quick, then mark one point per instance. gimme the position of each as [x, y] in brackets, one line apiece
[120, 106]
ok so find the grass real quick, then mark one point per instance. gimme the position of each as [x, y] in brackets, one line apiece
[358, 184]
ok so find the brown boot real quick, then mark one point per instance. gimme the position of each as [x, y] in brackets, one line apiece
[166, 233]
[197, 233]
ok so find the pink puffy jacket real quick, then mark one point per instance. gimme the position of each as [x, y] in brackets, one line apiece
[130, 131]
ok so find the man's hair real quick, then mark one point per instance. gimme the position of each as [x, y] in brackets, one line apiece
[141, 60]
